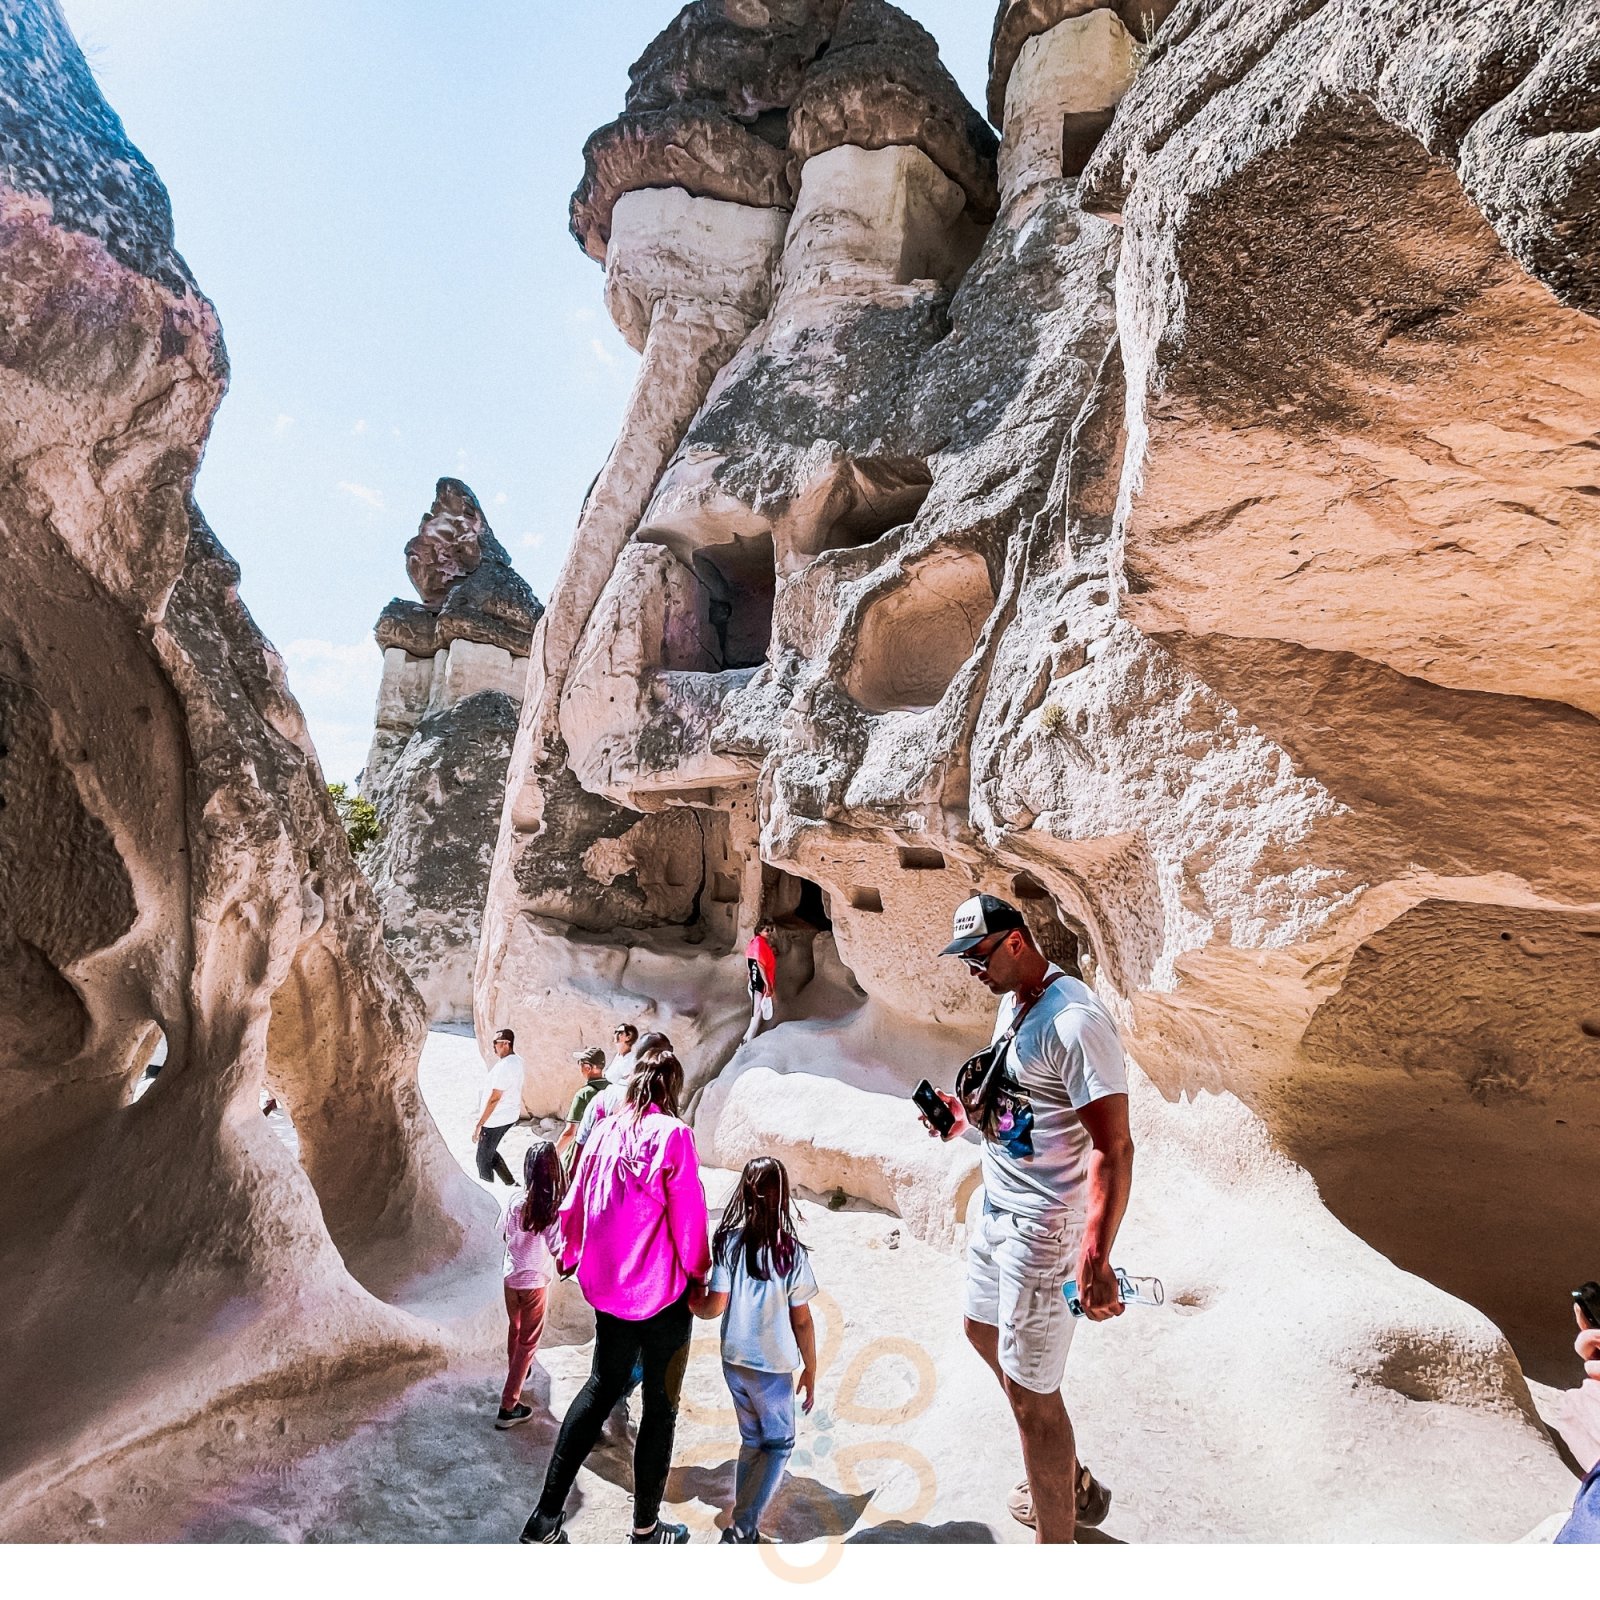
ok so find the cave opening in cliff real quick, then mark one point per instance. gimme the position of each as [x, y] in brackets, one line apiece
[1451, 1066]
[860, 503]
[739, 581]
[149, 1057]
[793, 902]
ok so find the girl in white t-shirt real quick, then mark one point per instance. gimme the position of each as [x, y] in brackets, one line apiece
[533, 1250]
[761, 1281]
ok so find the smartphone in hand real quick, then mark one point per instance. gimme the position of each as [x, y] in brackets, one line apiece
[939, 1115]
[1587, 1300]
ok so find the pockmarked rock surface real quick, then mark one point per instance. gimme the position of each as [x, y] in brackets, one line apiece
[1186, 538]
[454, 664]
[173, 880]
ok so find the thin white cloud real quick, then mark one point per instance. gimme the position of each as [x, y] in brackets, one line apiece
[602, 355]
[282, 423]
[336, 683]
[367, 495]
[361, 425]
[532, 541]
[583, 315]
[500, 499]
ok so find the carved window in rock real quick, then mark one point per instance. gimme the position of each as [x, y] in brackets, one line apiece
[917, 635]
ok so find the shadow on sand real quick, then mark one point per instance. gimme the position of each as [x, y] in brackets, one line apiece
[803, 1509]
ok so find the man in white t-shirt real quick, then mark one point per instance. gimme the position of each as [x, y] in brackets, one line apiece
[626, 1038]
[499, 1108]
[1057, 1168]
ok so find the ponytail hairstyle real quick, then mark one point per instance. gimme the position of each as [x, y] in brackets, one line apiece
[760, 1220]
[545, 1179]
[657, 1081]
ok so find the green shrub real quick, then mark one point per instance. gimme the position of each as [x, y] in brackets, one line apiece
[357, 814]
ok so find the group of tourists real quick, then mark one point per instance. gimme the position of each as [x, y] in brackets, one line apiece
[627, 1213]
[618, 1201]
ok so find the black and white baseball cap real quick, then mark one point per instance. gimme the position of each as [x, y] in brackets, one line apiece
[977, 918]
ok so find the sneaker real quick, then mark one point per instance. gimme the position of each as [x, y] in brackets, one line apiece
[733, 1536]
[509, 1419]
[1094, 1501]
[544, 1530]
[662, 1533]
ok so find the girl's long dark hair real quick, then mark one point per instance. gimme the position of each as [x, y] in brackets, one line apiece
[545, 1179]
[760, 1220]
[657, 1081]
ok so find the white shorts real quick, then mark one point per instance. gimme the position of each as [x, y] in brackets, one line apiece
[1016, 1268]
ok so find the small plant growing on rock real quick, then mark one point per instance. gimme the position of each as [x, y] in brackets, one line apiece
[1053, 718]
[1144, 42]
[358, 816]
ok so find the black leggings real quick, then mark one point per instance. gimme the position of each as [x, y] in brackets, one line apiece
[661, 1344]
[491, 1164]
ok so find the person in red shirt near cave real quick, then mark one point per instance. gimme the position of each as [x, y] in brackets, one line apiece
[762, 962]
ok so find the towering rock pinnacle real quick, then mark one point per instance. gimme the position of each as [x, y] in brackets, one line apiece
[454, 665]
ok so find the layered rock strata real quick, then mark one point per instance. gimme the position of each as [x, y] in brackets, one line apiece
[171, 874]
[1129, 569]
[454, 665]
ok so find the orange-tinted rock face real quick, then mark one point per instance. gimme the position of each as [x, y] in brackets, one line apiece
[170, 869]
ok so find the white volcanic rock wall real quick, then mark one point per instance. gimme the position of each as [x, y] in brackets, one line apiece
[1193, 554]
[171, 871]
[455, 662]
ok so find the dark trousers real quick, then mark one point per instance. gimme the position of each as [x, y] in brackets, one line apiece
[661, 1345]
[491, 1164]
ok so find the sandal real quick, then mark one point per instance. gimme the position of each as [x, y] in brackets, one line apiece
[1094, 1501]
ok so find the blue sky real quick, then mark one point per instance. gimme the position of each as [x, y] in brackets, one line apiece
[374, 193]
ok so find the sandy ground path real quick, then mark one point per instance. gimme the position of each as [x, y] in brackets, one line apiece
[894, 1448]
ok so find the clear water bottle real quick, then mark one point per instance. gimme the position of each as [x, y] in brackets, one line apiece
[1134, 1292]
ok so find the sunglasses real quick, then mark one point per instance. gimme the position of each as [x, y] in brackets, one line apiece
[976, 962]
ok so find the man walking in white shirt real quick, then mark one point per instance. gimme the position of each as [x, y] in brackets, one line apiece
[1050, 1102]
[499, 1108]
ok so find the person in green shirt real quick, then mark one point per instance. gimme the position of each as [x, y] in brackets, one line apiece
[592, 1063]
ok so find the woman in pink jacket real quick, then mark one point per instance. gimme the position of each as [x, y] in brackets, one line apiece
[634, 1224]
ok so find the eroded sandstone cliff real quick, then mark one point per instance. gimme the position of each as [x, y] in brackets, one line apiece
[454, 664]
[170, 870]
[1195, 553]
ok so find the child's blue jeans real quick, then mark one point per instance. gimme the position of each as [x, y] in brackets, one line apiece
[764, 1404]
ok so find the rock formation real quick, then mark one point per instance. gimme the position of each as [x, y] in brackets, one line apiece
[170, 868]
[454, 665]
[1128, 555]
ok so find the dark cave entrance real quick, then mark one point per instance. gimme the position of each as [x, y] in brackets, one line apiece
[739, 581]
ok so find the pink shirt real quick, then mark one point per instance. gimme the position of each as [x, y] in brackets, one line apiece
[530, 1255]
[635, 1218]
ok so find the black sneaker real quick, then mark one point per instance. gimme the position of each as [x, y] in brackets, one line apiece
[544, 1530]
[733, 1536]
[662, 1533]
[509, 1419]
